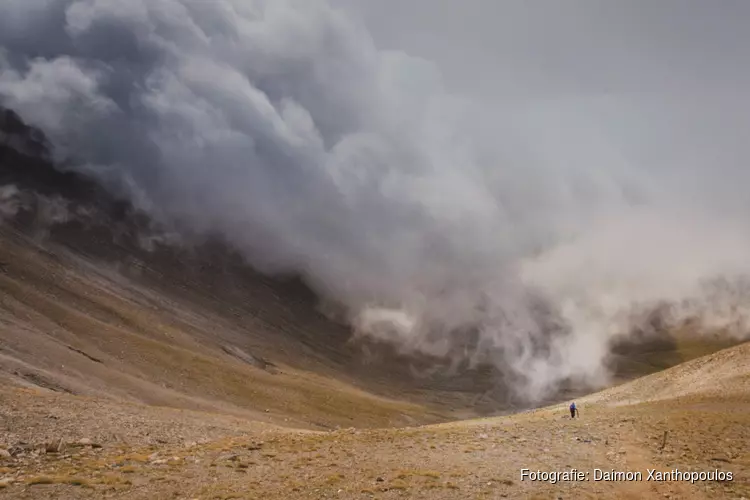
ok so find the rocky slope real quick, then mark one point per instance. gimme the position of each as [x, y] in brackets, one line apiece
[62, 446]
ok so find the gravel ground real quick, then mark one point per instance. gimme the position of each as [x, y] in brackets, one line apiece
[61, 446]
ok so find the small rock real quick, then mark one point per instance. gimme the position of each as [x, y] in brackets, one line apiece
[160, 461]
[55, 446]
[483, 436]
[4, 453]
[380, 480]
[84, 442]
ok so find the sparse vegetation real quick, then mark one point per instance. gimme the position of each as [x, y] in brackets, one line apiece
[40, 480]
[395, 463]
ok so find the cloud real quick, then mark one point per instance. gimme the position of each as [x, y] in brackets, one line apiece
[535, 229]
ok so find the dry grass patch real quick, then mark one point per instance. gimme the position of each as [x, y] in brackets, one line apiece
[40, 480]
[429, 474]
[73, 481]
[137, 457]
[76, 481]
[334, 478]
[396, 485]
[112, 480]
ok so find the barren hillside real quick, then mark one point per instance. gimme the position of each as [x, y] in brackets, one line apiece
[138, 365]
[92, 448]
[100, 300]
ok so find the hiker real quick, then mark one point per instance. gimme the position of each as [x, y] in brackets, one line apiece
[573, 410]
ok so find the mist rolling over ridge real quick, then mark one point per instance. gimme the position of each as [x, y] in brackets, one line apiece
[529, 230]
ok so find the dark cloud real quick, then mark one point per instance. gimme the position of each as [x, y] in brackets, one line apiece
[597, 169]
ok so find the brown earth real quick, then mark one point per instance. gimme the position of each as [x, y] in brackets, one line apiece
[694, 417]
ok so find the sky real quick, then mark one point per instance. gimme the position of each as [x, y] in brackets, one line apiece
[536, 177]
[574, 48]
[664, 82]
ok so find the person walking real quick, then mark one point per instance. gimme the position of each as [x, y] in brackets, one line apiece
[573, 410]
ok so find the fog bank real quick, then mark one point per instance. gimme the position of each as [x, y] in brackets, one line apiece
[541, 214]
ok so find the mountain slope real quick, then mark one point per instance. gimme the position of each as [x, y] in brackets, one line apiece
[99, 299]
[176, 359]
[201, 455]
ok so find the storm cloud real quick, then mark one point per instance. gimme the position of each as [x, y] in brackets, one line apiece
[536, 188]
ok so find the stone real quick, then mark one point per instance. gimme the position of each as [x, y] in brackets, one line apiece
[55, 446]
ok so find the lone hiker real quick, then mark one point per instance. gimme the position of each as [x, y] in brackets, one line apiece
[573, 410]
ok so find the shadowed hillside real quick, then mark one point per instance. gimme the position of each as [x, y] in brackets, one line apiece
[99, 299]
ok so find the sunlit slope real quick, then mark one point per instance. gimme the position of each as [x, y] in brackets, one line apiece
[694, 417]
[724, 374]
